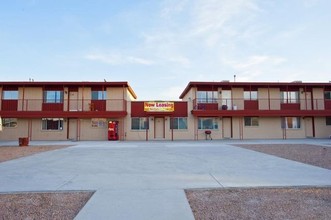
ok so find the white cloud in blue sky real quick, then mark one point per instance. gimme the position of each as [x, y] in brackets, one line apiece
[159, 46]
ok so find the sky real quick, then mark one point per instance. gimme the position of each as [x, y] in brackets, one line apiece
[158, 47]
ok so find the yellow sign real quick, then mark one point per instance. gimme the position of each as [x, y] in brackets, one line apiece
[159, 106]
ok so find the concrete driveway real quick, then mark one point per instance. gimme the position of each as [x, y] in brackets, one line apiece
[145, 180]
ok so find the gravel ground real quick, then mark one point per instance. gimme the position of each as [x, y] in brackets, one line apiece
[266, 202]
[48, 205]
[13, 152]
[261, 203]
[310, 154]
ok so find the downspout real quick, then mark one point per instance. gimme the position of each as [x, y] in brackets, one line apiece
[147, 119]
[172, 128]
[23, 98]
[313, 125]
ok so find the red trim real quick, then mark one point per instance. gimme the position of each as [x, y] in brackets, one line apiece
[52, 107]
[291, 85]
[16, 84]
[262, 113]
[62, 114]
[327, 104]
[251, 104]
[9, 105]
[290, 106]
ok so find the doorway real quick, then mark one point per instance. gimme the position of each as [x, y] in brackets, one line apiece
[159, 128]
[73, 129]
[309, 127]
[73, 101]
[227, 127]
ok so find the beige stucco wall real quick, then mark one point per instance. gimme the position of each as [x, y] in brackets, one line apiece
[190, 96]
[321, 129]
[14, 133]
[238, 98]
[297, 133]
[268, 128]
[305, 100]
[138, 135]
[318, 96]
[87, 132]
[84, 93]
[65, 99]
[33, 97]
[115, 98]
[263, 96]
[38, 134]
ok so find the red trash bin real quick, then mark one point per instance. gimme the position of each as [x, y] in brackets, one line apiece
[23, 141]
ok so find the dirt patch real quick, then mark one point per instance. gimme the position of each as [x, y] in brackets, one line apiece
[261, 203]
[48, 205]
[13, 152]
[310, 154]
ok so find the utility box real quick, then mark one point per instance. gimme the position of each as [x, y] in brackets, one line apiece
[113, 130]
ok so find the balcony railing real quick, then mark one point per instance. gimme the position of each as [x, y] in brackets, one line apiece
[260, 104]
[71, 105]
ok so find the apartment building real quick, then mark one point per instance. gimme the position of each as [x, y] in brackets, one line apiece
[207, 110]
[63, 110]
[249, 110]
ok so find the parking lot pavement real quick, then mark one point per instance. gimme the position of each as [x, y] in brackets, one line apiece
[144, 180]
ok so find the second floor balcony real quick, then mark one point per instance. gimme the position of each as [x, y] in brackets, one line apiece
[70, 106]
[240, 106]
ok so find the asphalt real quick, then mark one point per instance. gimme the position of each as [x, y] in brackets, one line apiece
[146, 180]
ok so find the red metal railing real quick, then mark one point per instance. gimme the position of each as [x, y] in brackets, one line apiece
[84, 105]
[260, 104]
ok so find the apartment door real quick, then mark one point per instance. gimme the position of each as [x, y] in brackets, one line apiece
[73, 129]
[227, 128]
[73, 101]
[159, 128]
[309, 127]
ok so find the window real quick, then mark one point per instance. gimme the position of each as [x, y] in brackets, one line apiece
[291, 122]
[328, 120]
[99, 95]
[52, 124]
[227, 99]
[9, 122]
[327, 95]
[207, 96]
[207, 123]
[53, 96]
[139, 124]
[10, 95]
[178, 123]
[250, 95]
[251, 121]
[289, 97]
[99, 122]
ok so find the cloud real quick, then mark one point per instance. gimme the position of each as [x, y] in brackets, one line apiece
[256, 67]
[172, 92]
[117, 59]
[216, 19]
[257, 60]
[171, 7]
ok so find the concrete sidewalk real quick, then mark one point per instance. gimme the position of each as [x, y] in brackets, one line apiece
[145, 180]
